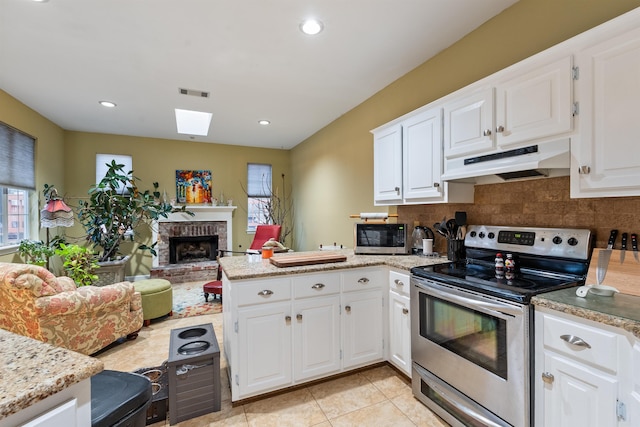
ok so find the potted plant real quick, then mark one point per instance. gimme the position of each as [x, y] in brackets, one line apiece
[35, 252]
[79, 262]
[115, 210]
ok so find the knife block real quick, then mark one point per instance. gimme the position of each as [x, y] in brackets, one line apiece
[624, 277]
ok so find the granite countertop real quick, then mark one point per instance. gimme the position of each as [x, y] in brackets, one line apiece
[240, 267]
[31, 371]
[621, 310]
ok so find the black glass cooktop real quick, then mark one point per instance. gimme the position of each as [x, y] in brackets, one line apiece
[482, 278]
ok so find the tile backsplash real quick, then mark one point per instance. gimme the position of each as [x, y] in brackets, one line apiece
[537, 203]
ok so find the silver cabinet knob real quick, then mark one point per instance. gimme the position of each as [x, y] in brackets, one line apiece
[398, 190]
[398, 282]
[584, 170]
[299, 316]
[287, 318]
[500, 129]
[318, 286]
[347, 309]
[487, 132]
[436, 184]
[405, 311]
[265, 293]
[363, 281]
[547, 377]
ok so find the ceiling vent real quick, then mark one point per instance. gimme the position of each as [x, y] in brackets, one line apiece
[192, 92]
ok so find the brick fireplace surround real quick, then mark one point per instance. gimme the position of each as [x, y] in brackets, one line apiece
[207, 221]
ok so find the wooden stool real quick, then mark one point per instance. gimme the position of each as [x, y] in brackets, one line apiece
[214, 288]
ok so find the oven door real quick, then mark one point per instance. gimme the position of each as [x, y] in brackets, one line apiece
[476, 344]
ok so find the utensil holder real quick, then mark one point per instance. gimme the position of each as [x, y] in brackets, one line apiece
[456, 250]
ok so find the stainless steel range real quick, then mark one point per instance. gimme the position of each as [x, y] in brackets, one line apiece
[472, 337]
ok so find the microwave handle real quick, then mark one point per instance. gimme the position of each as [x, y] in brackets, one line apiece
[490, 307]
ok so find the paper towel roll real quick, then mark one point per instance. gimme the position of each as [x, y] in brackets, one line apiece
[373, 215]
[427, 246]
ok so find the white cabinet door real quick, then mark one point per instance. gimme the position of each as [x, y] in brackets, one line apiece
[422, 156]
[577, 395]
[362, 328]
[535, 105]
[400, 332]
[387, 165]
[606, 157]
[264, 347]
[468, 124]
[316, 337]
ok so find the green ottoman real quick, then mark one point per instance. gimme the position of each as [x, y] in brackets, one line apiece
[157, 298]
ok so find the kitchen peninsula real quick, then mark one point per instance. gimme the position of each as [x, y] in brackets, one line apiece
[287, 326]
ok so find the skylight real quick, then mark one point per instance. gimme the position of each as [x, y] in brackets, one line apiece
[190, 122]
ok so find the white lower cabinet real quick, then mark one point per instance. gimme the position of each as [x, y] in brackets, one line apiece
[362, 328]
[264, 347]
[316, 335]
[582, 372]
[291, 329]
[399, 322]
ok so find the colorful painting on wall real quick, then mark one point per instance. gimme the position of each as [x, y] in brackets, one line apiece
[193, 187]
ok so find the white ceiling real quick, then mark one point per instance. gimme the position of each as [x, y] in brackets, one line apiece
[63, 56]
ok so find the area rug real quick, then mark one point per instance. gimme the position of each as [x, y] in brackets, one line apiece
[188, 300]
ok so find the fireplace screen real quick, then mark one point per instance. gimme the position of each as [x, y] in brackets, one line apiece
[192, 249]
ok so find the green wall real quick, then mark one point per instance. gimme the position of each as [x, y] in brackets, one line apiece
[333, 169]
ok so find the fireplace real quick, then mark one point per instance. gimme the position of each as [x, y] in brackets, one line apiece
[195, 241]
[184, 249]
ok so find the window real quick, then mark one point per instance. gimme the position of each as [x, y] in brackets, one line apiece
[17, 184]
[258, 192]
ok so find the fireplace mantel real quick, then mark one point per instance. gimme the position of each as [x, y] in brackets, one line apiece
[202, 213]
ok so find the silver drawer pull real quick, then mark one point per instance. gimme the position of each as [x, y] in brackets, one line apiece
[398, 282]
[405, 311]
[547, 377]
[318, 286]
[363, 281]
[572, 339]
[265, 293]
[299, 316]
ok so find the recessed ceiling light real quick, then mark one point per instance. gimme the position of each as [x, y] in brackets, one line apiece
[107, 104]
[311, 27]
[264, 122]
[190, 122]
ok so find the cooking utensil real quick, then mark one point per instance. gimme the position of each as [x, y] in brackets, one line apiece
[623, 249]
[452, 228]
[604, 256]
[634, 246]
[440, 229]
[461, 218]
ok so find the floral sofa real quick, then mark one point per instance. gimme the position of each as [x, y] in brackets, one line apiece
[37, 304]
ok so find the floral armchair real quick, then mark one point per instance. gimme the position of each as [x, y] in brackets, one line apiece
[37, 304]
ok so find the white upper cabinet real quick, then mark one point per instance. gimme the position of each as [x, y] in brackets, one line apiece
[416, 140]
[606, 156]
[468, 123]
[387, 165]
[535, 104]
[422, 155]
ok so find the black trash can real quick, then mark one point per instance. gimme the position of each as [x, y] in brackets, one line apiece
[119, 399]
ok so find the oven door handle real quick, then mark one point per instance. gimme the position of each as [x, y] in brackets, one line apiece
[481, 304]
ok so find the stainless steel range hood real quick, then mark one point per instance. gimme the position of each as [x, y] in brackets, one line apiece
[534, 161]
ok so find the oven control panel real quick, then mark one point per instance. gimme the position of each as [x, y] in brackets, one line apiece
[558, 242]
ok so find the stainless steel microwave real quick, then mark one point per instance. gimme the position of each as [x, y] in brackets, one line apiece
[381, 239]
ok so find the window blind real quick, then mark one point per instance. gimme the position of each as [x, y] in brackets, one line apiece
[17, 161]
[258, 180]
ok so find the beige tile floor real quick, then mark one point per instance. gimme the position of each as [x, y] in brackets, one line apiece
[374, 397]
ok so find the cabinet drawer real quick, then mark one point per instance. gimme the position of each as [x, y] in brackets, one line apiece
[399, 282]
[598, 347]
[316, 285]
[362, 279]
[263, 291]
